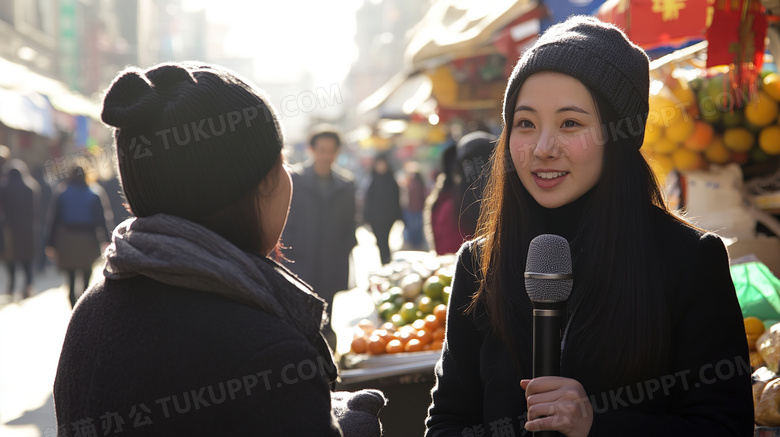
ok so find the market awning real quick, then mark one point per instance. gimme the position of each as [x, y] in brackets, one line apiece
[18, 78]
[400, 97]
[29, 112]
[454, 28]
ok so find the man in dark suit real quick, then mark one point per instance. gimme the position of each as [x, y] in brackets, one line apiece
[320, 231]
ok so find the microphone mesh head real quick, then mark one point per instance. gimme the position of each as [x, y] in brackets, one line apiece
[548, 253]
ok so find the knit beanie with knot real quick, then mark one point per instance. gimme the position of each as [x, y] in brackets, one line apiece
[600, 56]
[191, 139]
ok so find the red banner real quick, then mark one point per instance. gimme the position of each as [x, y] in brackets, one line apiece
[654, 23]
[737, 33]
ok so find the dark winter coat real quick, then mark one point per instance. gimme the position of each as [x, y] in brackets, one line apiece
[320, 231]
[704, 390]
[382, 206]
[234, 350]
[20, 202]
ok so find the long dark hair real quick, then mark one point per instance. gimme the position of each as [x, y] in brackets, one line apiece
[618, 278]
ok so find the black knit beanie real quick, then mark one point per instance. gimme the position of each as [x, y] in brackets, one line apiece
[600, 56]
[191, 139]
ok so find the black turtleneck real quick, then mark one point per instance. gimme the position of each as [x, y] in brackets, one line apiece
[566, 221]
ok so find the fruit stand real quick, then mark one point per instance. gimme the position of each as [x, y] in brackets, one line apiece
[390, 336]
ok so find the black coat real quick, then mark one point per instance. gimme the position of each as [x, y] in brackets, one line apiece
[157, 360]
[708, 380]
[382, 206]
[20, 203]
[320, 231]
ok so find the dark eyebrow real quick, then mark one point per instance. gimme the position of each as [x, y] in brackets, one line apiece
[564, 109]
[572, 108]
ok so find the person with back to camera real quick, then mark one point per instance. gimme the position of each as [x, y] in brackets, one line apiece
[652, 302]
[382, 207]
[78, 228]
[195, 330]
[452, 208]
[472, 157]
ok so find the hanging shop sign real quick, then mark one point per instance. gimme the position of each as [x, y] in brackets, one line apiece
[655, 23]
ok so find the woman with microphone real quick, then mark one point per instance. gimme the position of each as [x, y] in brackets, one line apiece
[653, 339]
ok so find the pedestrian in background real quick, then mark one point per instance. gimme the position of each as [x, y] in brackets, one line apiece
[440, 215]
[44, 201]
[79, 228]
[471, 174]
[382, 205]
[19, 199]
[5, 156]
[413, 202]
[320, 232]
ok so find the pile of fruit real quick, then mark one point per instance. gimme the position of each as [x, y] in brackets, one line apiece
[704, 120]
[754, 327]
[411, 301]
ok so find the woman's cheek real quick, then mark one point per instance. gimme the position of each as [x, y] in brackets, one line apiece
[521, 152]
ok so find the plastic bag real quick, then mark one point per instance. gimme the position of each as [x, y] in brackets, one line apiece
[758, 290]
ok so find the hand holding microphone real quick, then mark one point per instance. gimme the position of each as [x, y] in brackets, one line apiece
[554, 403]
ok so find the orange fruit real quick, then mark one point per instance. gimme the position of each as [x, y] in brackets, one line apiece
[359, 345]
[680, 130]
[427, 346]
[754, 326]
[389, 327]
[367, 326]
[664, 146]
[751, 341]
[404, 336]
[440, 312]
[772, 85]
[385, 334]
[394, 346]
[438, 334]
[762, 110]
[716, 152]
[431, 323]
[414, 345]
[769, 140]
[418, 324]
[701, 137]
[686, 160]
[738, 139]
[653, 133]
[437, 344]
[424, 336]
[376, 345]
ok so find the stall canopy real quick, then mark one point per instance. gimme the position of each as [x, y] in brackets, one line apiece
[457, 28]
[19, 79]
[402, 95]
[29, 112]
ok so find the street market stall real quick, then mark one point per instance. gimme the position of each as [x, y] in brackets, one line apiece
[389, 336]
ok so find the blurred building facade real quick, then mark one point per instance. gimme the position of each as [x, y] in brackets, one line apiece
[382, 36]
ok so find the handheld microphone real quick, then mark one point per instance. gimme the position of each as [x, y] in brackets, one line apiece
[548, 282]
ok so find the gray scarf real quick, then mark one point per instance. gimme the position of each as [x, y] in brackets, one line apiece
[178, 252]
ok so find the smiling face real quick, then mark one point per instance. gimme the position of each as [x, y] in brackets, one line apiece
[554, 139]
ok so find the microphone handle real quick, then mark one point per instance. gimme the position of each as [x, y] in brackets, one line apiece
[547, 348]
